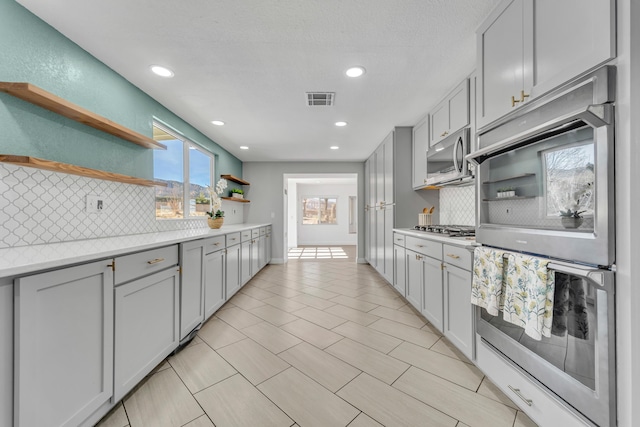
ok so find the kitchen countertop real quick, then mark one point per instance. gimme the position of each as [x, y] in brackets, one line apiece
[29, 259]
[468, 242]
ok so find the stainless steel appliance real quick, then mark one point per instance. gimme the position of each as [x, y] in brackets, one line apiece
[556, 155]
[447, 163]
[448, 230]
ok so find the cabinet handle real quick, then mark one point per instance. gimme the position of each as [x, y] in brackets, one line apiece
[155, 261]
[419, 246]
[418, 257]
[453, 256]
[233, 238]
[216, 244]
[514, 101]
[519, 394]
[445, 133]
[523, 96]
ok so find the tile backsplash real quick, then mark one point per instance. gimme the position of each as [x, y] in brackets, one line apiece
[457, 205]
[38, 206]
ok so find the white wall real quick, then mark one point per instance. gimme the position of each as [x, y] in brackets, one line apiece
[292, 215]
[327, 234]
[267, 191]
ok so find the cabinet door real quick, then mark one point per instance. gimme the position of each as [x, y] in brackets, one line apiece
[268, 248]
[570, 38]
[420, 146]
[214, 283]
[459, 107]
[388, 243]
[64, 345]
[399, 269]
[379, 175]
[458, 313]
[255, 256]
[245, 262]
[439, 123]
[388, 198]
[234, 275]
[372, 241]
[146, 322]
[432, 304]
[191, 287]
[379, 224]
[262, 252]
[500, 61]
[414, 279]
[6, 352]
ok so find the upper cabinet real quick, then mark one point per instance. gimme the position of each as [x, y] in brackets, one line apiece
[528, 47]
[451, 115]
[419, 153]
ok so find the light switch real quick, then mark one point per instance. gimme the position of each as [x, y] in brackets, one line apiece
[94, 203]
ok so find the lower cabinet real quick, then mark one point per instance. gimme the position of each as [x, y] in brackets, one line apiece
[233, 270]
[458, 311]
[262, 252]
[63, 367]
[414, 278]
[191, 289]
[214, 281]
[432, 304]
[6, 352]
[146, 322]
[267, 245]
[399, 269]
[245, 262]
[255, 256]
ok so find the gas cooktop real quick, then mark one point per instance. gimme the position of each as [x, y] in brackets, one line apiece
[448, 230]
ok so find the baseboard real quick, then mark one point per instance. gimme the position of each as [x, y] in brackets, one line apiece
[276, 261]
[362, 261]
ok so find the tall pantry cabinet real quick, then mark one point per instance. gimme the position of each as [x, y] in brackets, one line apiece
[388, 185]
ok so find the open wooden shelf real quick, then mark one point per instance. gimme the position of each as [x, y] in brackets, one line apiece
[42, 98]
[509, 198]
[235, 179]
[235, 199]
[524, 175]
[34, 162]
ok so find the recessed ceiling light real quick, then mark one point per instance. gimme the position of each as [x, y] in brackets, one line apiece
[218, 122]
[340, 124]
[334, 147]
[244, 147]
[355, 71]
[161, 71]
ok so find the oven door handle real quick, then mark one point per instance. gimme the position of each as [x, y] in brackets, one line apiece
[601, 277]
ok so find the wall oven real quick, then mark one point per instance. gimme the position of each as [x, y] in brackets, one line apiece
[447, 163]
[545, 187]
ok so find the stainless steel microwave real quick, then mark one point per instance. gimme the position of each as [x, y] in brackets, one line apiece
[447, 163]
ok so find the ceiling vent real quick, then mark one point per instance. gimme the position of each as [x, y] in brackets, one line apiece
[320, 99]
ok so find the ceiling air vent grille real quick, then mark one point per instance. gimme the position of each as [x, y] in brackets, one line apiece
[320, 99]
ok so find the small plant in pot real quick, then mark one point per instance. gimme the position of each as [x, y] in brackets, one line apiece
[506, 192]
[571, 218]
[237, 193]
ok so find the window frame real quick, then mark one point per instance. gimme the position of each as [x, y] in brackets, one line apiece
[187, 146]
[302, 199]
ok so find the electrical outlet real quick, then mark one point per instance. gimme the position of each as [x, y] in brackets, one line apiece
[94, 203]
[509, 211]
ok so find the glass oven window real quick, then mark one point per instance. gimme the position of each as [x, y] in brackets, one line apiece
[544, 184]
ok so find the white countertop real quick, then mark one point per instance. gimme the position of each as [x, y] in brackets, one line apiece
[29, 259]
[458, 241]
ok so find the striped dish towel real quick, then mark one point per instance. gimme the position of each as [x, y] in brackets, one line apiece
[487, 284]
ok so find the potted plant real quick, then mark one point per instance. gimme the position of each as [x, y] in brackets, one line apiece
[571, 218]
[237, 193]
[215, 217]
[506, 192]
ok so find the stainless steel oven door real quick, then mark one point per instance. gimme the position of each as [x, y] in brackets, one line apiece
[545, 177]
[577, 362]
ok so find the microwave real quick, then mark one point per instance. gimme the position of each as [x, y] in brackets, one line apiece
[446, 161]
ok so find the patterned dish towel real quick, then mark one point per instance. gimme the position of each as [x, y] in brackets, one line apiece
[528, 299]
[487, 284]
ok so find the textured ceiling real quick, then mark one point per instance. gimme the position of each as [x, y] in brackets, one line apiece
[250, 62]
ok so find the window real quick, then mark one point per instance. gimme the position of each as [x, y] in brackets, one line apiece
[188, 171]
[319, 210]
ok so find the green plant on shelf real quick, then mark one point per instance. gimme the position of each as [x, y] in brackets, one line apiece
[237, 191]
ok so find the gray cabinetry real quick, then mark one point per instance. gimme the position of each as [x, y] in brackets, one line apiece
[192, 286]
[399, 269]
[6, 352]
[459, 319]
[233, 273]
[419, 153]
[451, 115]
[245, 262]
[528, 47]
[64, 345]
[414, 278]
[215, 264]
[432, 303]
[268, 241]
[146, 322]
[255, 256]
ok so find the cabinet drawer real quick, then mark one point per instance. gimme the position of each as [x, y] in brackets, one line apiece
[268, 229]
[455, 255]
[245, 235]
[263, 231]
[140, 264]
[423, 246]
[255, 232]
[233, 239]
[398, 239]
[214, 243]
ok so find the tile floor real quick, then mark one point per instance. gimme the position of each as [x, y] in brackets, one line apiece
[323, 343]
[314, 253]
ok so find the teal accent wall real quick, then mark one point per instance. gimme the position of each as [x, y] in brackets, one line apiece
[34, 52]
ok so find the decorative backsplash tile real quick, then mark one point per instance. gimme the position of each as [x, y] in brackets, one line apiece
[457, 205]
[38, 206]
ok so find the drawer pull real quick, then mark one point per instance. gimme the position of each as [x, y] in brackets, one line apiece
[420, 246]
[233, 238]
[453, 256]
[418, 257]
[216, 244]
[519, 394]
[155, 261]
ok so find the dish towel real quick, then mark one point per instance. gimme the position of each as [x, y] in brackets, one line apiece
[570, 307]
[528, 299]
[487, 284]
